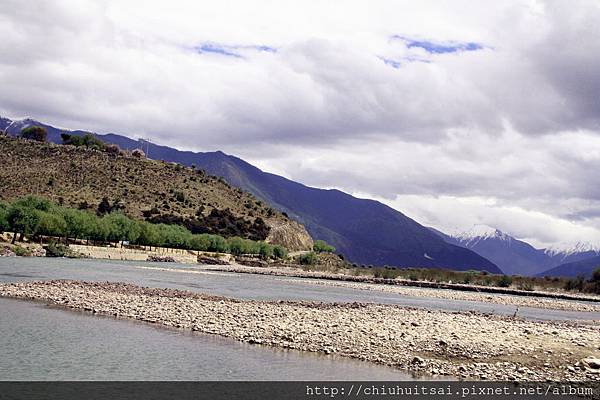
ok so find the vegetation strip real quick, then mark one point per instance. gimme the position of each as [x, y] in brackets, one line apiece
[401, 282]
[466, 345]
[41, 219]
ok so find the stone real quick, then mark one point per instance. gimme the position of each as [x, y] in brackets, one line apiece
[418, 361]
[591, 363]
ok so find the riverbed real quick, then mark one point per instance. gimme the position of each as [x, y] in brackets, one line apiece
[248, 286]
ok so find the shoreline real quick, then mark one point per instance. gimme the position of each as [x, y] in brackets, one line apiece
[297, 272]
[455, 344]
[577, 303]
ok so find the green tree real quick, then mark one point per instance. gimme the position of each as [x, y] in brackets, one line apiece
[149, 235]
[51, 224]
[309, 258]
[505, 281]
[22, 220]
[265, 251]
[320, 246]
[121, 228]
[279, 252]
[218, 244]
[3, 217]
[200, 242]
[35, 132]
[35, 203]
[88, 140]
[595, 281]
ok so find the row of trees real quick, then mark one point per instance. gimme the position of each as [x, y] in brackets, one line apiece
[35, 217]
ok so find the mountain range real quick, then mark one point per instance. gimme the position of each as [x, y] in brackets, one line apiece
[517, 257]
[364, 231]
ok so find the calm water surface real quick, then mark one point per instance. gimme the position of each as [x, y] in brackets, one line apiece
[48, 343]
[44, 343]
[244, 286]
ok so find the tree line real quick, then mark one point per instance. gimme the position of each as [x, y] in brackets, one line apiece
[35, 217]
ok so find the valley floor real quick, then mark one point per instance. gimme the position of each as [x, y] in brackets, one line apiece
[546, 300]
[456, 344]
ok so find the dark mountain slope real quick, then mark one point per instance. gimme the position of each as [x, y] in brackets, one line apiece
[584, 267]
[365, 231]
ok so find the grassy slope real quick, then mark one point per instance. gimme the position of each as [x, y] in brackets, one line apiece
[77, 175]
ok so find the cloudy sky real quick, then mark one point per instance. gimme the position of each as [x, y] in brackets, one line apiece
[454, 112]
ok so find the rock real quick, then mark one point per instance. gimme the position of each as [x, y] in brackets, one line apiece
[154, 258]
[7, 252]
[38, 252]
[591, 363]
[418, 361]
[210, 260]
[415, 324]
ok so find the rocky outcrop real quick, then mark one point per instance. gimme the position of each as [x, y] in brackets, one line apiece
[289, 234]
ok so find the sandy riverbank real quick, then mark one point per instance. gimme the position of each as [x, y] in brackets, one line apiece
[464, 345]
[329, 279]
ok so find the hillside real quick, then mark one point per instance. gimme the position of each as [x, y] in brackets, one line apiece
[513, 256]
[365, 231]
[583, 267]
[143, 188]
[517, 257]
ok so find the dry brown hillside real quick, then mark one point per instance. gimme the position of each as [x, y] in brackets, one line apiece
[79, 177]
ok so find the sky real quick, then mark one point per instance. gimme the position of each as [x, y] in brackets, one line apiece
[453, 112]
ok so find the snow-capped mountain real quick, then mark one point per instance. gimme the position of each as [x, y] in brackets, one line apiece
[570, 248]
[481, 232]
[512, 255]
[515, 256]
[566, 253]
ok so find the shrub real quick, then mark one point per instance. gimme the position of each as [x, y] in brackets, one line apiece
[21, 251]
[3, 217]
[504, 281]
[113, 149]
[309, 258]
[575, 284]
[279, 252]
[54, 249]
[320, 246]
[35, 132]
[138, 153]
[527, 286]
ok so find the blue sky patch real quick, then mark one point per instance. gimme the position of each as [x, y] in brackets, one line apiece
[398, 63]
[439, 47]
[231, 51]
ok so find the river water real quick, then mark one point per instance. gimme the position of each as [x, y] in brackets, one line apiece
[39, 342]
[244, 286]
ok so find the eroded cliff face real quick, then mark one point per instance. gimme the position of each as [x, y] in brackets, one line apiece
[289, 234]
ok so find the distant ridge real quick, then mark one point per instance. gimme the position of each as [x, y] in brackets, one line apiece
[582, 267]
[365, 231]
[515, 256]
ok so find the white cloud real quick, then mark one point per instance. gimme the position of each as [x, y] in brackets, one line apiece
[516, 123]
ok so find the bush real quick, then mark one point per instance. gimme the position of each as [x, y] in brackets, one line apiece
[505, 281]
[88, 140]
[321, 247]
[35, 132]
[279, 252]
[3, 217]
[527, 286]
[575, 284]
[138, 153]
[308, 258]
[56, 250]
[21, 251]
